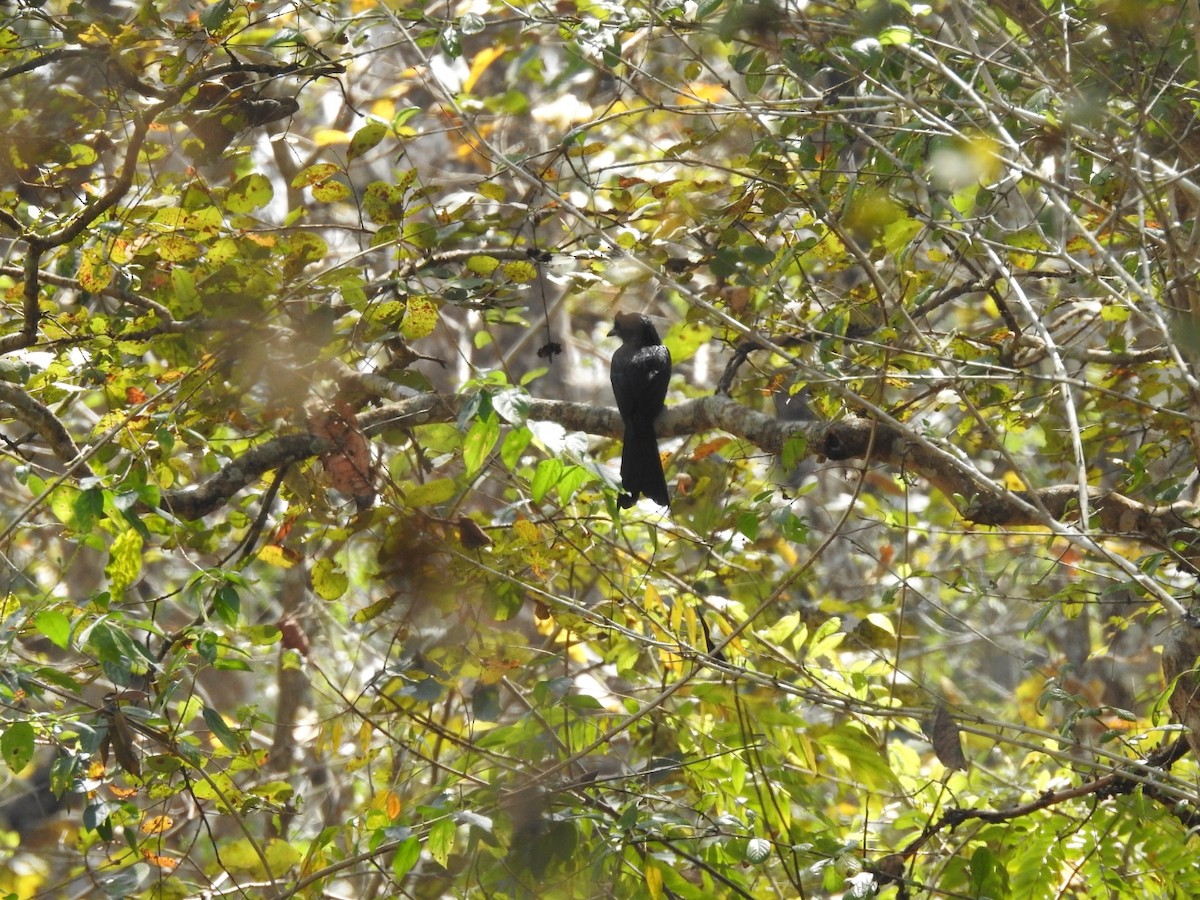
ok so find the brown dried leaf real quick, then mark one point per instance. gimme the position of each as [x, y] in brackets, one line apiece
[349, 463]
[947, 741]
[470, 535]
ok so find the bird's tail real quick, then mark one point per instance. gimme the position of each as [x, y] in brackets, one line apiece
[641, 467]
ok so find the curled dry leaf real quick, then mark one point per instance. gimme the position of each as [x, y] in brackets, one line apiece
[947, 742]
[349, 463]
[470, 535]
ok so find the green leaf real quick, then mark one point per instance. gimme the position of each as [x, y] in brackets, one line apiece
[514, 445]
[95, 272]
[281, 856]
[520, 271]
[365, 139]
[328, 580]
[483, 265]
[249, 193]
[573, 478]
[795, 449]
[406, 857]
[431, 493]
[545, 477]
[480, 440]
[227, 604]
[758, 851]
[78, 510]
[441, 840]
[315, 174]
[114, 648]
[213, 17]
[684, 338]
[331, 191]
[384, 203]
[16, 745]
[222, 731]
[55, 626]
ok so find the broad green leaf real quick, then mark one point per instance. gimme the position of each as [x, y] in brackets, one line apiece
[16, 745]
[223, 732]
[520, 271]
[55, 626]
[514, 445]
[431, 493]
[384, 203]
[328, 580]
[441, 840]
[315, 174]
[545, 477]
[405, 857]
[685, 338]
[227, 604]
[365, 139]
[249, 193]
[479, 441]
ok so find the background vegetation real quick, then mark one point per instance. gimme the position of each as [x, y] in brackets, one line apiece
[314, 581]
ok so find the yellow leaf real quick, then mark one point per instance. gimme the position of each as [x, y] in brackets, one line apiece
[479, 64]
[526, 530]
[273, 555]
[325, 137]
[420, 318]
[520, 271]
[157, 824]
[654, 881]
[95, 274]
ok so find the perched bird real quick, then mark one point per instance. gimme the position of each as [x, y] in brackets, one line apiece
[641, 368]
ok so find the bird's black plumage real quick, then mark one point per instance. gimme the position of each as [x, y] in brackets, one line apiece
[641, 369]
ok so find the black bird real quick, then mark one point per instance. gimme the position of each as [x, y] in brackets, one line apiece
[641, 368]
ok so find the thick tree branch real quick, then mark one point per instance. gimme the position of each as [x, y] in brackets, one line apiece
[212, 494]
[39, 417]
[1166, 527]
[30, 311]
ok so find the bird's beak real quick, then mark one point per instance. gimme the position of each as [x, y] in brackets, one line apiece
[613, 333]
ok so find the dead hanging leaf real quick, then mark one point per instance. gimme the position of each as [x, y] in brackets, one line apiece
[708, 448]
[119, 736]
[892, 867]
[166, 863]
[293, 636]
[943, 733]
[349, 463]
[470, 535]
[285, 528]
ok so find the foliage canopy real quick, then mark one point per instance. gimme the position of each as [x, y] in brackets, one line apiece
[315, 582]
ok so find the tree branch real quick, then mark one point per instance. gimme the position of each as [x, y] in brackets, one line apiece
[1166, 527]
[39, 417]
[212, 494]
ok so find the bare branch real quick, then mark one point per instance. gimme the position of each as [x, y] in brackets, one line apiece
[30, 311]
[211, 495]
[39, 417]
